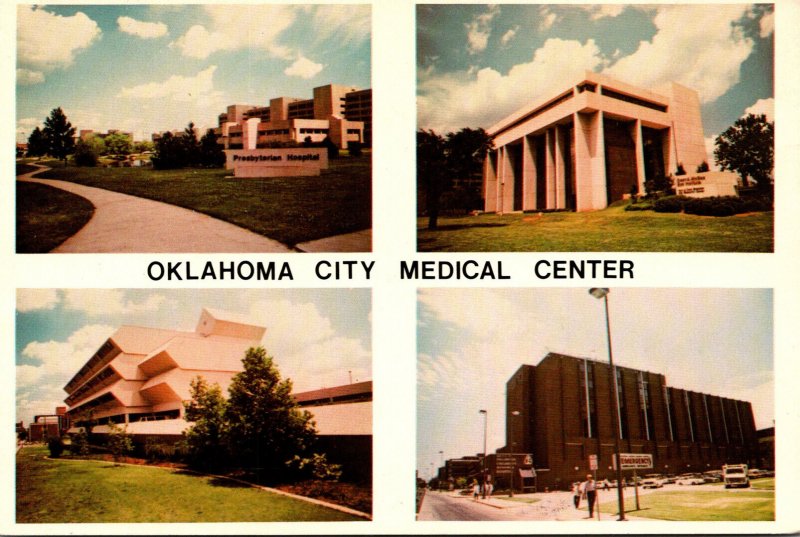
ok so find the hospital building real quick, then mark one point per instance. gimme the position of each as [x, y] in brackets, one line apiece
[590, 144]
[341, 113]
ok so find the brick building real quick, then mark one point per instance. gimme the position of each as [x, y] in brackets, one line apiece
[560, 411]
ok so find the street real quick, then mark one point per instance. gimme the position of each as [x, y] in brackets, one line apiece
[546, 506]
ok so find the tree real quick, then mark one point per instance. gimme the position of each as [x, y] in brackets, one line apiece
[206, 439]
[191, 147]
[37, 143]
[143, 146]
[88, 150]
[459, 155]
[118, 144]
[211, 153]
[747, 148]
[118, 441]
[59, 133]
[169, 152]
[267, 428]
[431, 171]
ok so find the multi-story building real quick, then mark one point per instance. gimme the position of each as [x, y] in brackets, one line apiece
[340, 113]
[561, 411]
[590, 144]
[140, 377]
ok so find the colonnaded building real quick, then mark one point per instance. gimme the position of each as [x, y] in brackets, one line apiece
[140, 377]
[590, 144]
[560, 412]
[341, 113]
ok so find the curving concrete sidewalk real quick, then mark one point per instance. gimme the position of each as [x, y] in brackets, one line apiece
[127, 224]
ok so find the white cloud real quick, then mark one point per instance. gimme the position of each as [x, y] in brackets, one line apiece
[145, 30]
[26, 77]
[455, 100]
[36, 299]
[696, 45]
[247, 26]
[767, 24]
[176, 87]
[306, 348]
[762, 106]
[351, 23]
[48, 41]
[600, 11]
[40, 386]
[548, 18]
[479, 30]
[303, 68]
[108, 302]
[509, 35]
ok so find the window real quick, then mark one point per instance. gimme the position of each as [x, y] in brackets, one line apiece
[588, 407]
[621, 410]
[645, 408]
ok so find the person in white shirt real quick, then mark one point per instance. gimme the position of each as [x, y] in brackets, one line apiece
[589, 489]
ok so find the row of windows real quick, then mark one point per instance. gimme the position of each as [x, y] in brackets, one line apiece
[588, 412]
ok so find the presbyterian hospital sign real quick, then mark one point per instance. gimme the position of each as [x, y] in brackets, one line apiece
[278, 162]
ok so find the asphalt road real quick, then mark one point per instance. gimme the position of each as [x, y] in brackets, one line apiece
[439, 506]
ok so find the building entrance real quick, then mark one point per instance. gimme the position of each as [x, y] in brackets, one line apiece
[620, 159]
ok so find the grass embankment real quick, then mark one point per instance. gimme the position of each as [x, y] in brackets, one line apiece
[58, 491]
[47, 216]
[701, 505]
[609, 230]
[288, 209]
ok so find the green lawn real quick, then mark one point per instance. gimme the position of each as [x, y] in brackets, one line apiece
[609, 230]
[705, 505]
[47, 216]
[288, 209]
[57, 491]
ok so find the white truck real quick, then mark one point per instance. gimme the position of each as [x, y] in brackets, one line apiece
[735, 475]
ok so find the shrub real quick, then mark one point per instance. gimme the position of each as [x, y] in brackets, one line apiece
[703, 167]
[355, 149]
[641, 206]
[158, 450]
[316, 467]
[56, 446]
[670, 204]
[79, 444]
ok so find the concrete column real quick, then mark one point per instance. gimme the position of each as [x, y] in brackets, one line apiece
[528, 174]
[507, 182]
[490, 193]
[590, 162]
[501, 171]
[560, 169]
[550, 168]
[639, 141]
[250, 133]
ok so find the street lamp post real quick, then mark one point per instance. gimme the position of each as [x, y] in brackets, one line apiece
[598, 293]
[483, 472]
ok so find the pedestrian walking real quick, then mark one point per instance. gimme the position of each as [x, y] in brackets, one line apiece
[476, 490]
[590, 493]
[576, 494]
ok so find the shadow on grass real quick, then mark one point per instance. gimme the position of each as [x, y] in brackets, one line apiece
[458, 227]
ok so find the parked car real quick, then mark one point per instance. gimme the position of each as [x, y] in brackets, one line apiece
[668, 479]
[652, 483]
[712, 477]
[690, 479]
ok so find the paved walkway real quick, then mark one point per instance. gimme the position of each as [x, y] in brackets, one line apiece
[128, 224]
[360, 241]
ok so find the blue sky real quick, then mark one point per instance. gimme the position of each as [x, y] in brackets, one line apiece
[146, 68]
[316, 336]
[470, 342]
[478, 63]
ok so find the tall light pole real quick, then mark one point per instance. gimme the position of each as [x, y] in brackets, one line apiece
[483, 473]
[601, 292]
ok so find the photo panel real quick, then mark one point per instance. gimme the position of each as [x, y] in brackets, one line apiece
[520, 417]
[598, 127]
[208, 405]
